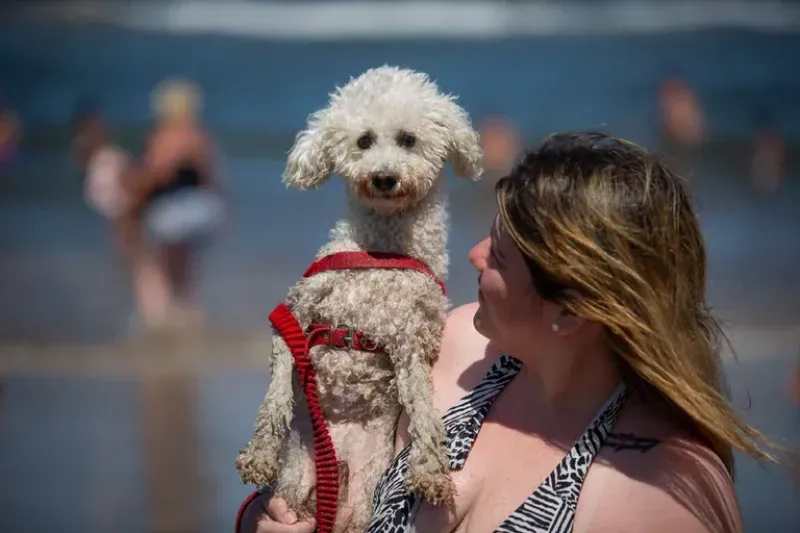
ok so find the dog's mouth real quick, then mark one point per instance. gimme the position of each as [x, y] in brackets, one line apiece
[386, 200]
[400, 192]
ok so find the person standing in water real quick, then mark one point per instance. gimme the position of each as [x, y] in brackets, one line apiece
[501, 145]
[10, 132]
[103, 164]
[681, 113]
[176, 204]
[106, 169]
[767, 153]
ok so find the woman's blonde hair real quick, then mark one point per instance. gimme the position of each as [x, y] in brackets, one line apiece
[177, 98]
[609, 232]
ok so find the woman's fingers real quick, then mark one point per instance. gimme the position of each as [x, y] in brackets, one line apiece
[271, 514]
[278, 510]
[266, 525]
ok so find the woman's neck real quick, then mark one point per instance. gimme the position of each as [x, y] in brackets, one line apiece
[576, 380]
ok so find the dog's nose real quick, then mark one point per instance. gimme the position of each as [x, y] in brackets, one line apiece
[384, 182]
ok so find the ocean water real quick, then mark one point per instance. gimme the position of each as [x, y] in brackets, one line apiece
[543, 83]
[259, 92]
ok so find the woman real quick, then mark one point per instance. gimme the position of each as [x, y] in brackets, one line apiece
[107, 171]
[176, 203]
[593, 283]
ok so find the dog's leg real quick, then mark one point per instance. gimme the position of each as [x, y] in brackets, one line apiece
[428, 463]
[258, 462]
[297, 478]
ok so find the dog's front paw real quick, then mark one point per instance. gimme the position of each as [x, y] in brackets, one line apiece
[436, 489]
[258, 466]
[430, 479]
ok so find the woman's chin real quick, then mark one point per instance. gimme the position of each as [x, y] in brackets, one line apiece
[478, 321]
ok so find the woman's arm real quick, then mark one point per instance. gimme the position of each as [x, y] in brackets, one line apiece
[138, 185]
[163, 151]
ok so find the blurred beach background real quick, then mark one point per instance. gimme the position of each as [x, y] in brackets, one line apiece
[102, 433]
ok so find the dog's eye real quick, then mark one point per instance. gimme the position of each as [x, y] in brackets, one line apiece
[406, 140]
[365, 141]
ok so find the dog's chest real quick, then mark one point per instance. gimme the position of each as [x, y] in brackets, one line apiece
[353, 385]
[374, 301]
[384, 306]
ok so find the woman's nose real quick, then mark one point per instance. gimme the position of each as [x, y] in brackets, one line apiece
[479, 255]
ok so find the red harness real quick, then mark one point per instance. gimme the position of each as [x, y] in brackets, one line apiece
[340, 336]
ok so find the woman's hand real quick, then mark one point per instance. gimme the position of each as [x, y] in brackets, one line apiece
[268, 514]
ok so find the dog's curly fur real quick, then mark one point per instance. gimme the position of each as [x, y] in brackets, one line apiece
[387, 122]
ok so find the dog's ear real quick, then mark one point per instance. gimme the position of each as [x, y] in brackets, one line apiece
[309, 164]
[465, 152]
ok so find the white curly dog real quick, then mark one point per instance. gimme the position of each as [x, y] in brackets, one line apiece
[387, 134]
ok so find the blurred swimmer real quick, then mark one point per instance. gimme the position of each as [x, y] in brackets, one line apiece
[177, 200]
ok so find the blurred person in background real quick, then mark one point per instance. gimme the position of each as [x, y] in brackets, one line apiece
[176, 205]
[103, 165]
[585, 387]
[768, 155]
[90, 131]
[10, 133]
[681, 114]
[501, 145]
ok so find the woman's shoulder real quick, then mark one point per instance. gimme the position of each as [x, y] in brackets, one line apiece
[460, 366]
[464, 358]
[462, 345]
[652, 476]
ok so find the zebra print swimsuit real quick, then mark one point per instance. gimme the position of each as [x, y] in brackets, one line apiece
[550, 509]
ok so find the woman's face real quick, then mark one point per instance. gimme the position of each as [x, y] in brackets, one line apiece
[510, 311]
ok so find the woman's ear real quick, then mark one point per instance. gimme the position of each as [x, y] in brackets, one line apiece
[563, 321]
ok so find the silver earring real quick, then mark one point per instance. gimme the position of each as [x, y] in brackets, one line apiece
[555, 327]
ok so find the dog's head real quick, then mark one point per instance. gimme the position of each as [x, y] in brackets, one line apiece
[387, 133]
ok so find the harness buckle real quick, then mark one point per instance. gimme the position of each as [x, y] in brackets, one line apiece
[368, 345]
[347, 337]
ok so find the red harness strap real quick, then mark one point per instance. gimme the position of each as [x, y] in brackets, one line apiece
[300, 343]
[324, 455]
[363, 260]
